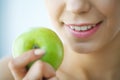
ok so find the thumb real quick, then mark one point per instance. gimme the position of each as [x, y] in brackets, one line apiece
[48, 71]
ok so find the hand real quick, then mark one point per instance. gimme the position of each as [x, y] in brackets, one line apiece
[38, 70]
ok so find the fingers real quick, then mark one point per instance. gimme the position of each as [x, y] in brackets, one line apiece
[28, 57]
[40, 70]
[48, 70]
[35, 72]
[18, 65]
[53, 78]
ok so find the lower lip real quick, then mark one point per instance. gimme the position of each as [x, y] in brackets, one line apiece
[84, 34]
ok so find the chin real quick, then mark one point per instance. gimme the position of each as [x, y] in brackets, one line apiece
[83, 50]
[86, 49]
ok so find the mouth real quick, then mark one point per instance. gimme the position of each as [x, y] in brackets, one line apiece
[83, 30]
[82, 27]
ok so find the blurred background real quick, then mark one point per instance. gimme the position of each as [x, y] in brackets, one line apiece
[17, 16]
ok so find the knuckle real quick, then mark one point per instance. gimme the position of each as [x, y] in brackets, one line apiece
[40, 64]
[11, 64]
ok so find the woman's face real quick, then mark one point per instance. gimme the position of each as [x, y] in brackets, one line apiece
[85, 25]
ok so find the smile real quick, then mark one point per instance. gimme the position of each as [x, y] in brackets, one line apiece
[83, 30]
[82, 27]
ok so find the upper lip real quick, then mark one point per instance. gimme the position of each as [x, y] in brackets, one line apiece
[83, 24]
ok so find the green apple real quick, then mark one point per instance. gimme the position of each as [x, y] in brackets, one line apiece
[42, 38]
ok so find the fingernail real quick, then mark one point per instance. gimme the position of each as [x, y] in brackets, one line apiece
[39, 52]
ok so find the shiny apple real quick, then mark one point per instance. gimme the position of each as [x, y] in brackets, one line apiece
[43, 38]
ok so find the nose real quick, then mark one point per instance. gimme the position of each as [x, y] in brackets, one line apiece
[78, 6]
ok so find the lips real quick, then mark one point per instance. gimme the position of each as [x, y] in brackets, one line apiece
[83, 30]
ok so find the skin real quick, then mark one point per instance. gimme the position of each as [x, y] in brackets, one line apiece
[93, 58]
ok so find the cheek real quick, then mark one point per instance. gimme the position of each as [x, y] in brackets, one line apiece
[55, 8]
[107, 7]
[111, 11]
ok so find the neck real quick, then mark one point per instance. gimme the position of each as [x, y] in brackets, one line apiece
[105, 63]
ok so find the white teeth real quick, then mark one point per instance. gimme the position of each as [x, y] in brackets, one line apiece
[89, 27]
[82, 28]
[72, 27]
[77, 28]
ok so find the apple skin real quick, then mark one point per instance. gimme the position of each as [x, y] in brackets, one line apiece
[42, 38]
